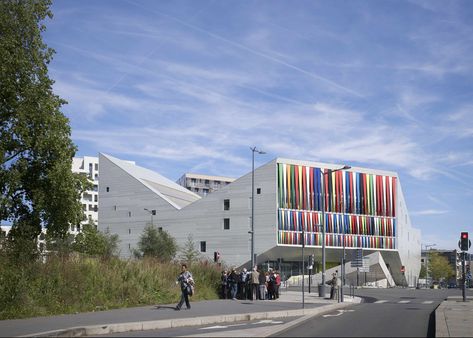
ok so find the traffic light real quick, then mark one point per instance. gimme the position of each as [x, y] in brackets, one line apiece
[216, 256]
[464, 242]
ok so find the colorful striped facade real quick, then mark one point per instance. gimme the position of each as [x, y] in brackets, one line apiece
[361, 204]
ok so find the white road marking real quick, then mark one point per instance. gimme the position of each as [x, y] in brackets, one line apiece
[404, 301]
[428, 302]
[268, 321]
[380, 301]
[216, 327]
[340, 312]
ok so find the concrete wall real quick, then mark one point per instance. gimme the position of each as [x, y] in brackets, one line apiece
[204, 219]
[121, 209]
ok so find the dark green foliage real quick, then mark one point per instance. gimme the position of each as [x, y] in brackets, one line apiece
[188, 251]
[439, 267]
[37, 186]
[96, 243]
[156, 243]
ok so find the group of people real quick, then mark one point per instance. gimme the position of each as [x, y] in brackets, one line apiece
[251, 285]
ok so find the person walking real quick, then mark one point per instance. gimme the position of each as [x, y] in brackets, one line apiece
[254, 284]
[186, 282]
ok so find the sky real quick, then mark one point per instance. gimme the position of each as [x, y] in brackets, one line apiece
[189, 86]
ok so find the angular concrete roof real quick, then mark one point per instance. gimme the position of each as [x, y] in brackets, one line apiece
[173, 193]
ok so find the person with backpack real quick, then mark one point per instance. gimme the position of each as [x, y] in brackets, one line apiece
[186, 283]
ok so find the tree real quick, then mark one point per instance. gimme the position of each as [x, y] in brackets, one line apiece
[37, 186]
[188, 252]
[96, 243]
[439, 267]
[423, 271]
[156, 243]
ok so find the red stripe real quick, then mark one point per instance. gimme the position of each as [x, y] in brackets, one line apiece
[394, 197]
[388, 199]
[304, 189]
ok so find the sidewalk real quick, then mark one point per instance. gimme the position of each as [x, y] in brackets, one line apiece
[454, 318]
[163, 316]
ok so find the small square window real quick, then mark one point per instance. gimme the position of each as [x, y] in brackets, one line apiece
[203, 246]
[258, 191]
[226, 224]
[226, 204]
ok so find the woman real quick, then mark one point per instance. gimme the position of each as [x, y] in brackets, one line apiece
[186, 282]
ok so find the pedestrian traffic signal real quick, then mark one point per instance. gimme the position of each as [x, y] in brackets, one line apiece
[464, 242]
[216, 256]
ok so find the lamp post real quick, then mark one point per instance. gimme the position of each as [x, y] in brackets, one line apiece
[252, 231]
[427, 250]
[303, 264]
[151, 212]
[345, 167]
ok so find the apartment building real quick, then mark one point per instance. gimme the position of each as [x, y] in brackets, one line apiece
[88, 166]
[203, 184]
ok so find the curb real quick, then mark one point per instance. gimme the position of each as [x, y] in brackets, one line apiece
[94, 330]
[441, 327]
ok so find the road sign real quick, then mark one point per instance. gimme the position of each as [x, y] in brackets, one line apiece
[357, 260]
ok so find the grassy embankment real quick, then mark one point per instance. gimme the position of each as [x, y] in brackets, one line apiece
[89, 284]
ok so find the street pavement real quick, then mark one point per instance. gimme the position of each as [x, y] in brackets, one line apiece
[454, 318]
[164, 316]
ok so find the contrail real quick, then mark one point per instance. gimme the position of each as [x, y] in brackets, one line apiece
[255, 52]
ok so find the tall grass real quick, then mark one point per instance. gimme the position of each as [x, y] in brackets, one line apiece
[81, 284]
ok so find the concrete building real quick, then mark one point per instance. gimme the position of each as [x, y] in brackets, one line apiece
[203, 184]
[367, 204]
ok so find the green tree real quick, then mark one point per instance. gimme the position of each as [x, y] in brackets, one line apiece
[439, 267]
[188, 252]
[96, 243]
[156, 243]
[37, 186]
[423, 271]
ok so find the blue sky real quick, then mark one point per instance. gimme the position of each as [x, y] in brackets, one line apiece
[189, 86]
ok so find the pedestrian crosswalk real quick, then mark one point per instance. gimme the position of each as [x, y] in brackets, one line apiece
[382, 301]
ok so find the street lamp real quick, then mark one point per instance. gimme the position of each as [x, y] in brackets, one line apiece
[322, 289]
[151, 212]
[252, 232]
[427, 249]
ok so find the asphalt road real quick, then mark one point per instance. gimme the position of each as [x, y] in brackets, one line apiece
[386, 313]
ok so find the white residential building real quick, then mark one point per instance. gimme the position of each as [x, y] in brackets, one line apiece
[88, 166]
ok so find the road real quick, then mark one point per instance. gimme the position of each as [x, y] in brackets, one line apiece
[385, 313]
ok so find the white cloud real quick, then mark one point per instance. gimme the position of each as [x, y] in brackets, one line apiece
[428, 212]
